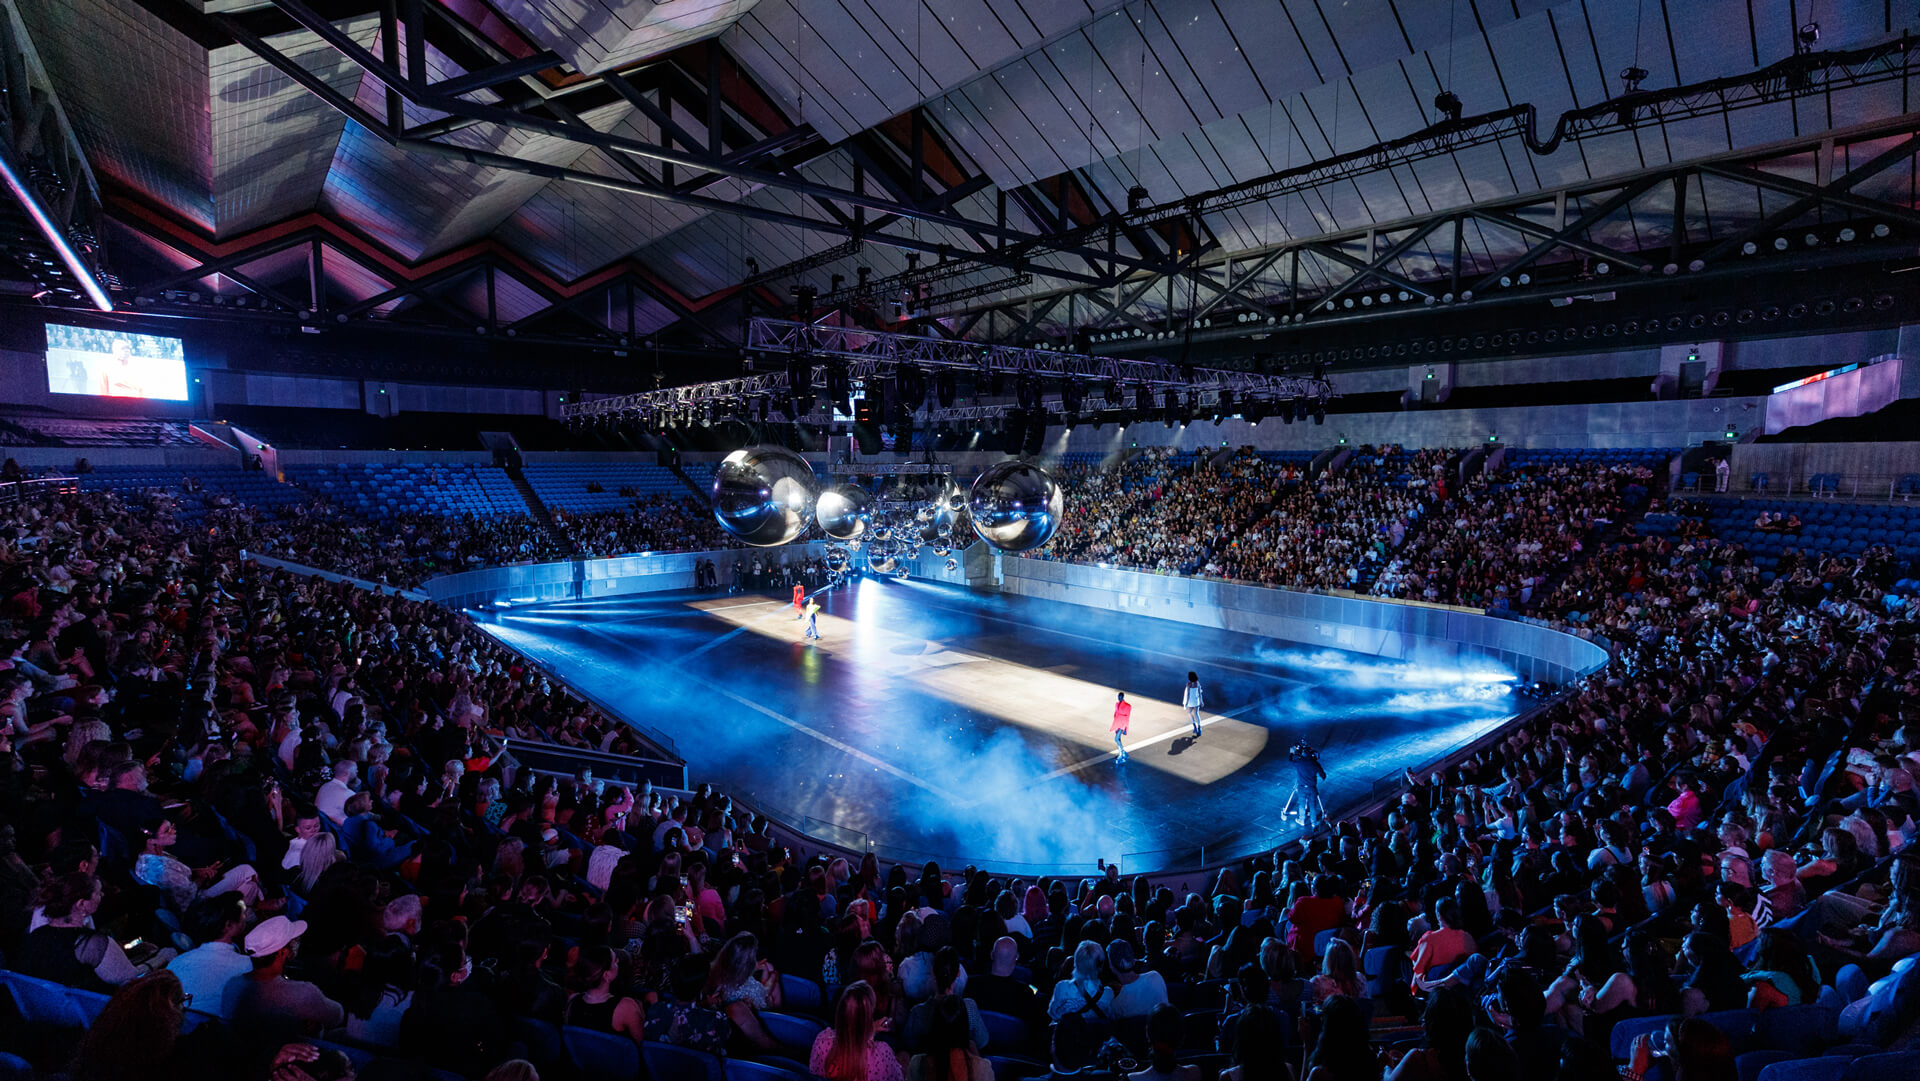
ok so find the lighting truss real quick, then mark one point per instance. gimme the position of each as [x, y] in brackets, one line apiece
[872, 354]
[881, 348]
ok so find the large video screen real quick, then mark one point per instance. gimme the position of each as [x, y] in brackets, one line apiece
[114, 364]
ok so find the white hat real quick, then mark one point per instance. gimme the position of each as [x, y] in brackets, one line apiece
[273, 935]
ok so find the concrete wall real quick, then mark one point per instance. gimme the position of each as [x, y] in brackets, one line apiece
[1866, 469]
[1379, 628]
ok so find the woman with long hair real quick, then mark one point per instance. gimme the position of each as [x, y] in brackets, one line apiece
[1085, 992]
[1782, 973]
[1338, 974]
[137, 1036]
[951, 1054]
[1714, 980]
[873, 966]
[316, 856]
[1259, 1046]
[1342, 1050]
[592, 1003]
[741, 985]
[849, 1051]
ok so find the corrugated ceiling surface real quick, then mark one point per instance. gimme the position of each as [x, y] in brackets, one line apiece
[136, 93]
[273, 142]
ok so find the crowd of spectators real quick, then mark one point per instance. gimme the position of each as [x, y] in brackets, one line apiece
[401, 551]
[1249, 518]
[654, 523]
[296, 791]
[1504, 534]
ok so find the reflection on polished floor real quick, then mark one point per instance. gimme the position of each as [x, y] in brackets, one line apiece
[966, 727]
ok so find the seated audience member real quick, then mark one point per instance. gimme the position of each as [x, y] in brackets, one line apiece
[266, 1005]
[848, 1050]
[999, 990]
[1782, 973]
[218, 924]
[66, 949]
[1139, 993]
[946, 970]
[592, 1002]
[740, 985]
[1085, 993]
[1341, 1049]
[1164, 1027]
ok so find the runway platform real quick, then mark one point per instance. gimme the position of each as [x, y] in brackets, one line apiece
[937, 723]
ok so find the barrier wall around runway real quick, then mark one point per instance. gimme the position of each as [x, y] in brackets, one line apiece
[1375, 627]
[531, 583]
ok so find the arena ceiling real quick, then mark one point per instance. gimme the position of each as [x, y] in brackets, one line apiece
[1018, 168]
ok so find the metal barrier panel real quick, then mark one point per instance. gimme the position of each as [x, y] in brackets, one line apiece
[1376, 627]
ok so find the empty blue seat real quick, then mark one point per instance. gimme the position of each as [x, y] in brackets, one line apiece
[602, 1054]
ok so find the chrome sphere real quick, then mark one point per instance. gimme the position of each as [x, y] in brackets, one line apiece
[942, 550]
[845, 512]
[949, 496]
[925, 514]
[883, 560]
[882, 532]
[836, 559]
[1016, 506]
[764, 495]
[953, 565]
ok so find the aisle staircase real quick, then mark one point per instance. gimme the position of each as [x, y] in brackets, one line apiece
[694, 486]
[537, 506]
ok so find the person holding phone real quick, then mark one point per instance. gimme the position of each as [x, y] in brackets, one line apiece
[183, 885]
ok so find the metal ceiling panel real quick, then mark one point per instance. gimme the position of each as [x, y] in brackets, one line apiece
[606, 35]
[135, 91]
[1529, 61]
[273, 142]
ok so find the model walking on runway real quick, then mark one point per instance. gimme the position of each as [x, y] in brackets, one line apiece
[1122, 716]
[799, 602]
[1193, 700]
[812, 612]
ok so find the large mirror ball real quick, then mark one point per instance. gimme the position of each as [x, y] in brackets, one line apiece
[1016, 506]
[845, 512]
[764, 495]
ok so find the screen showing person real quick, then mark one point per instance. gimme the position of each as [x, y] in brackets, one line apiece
[115, 364]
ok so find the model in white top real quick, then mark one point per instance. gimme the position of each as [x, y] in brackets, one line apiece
[1193, 700]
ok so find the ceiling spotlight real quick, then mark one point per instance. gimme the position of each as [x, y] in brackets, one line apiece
[1603, 268]
[1880, 231]
[1631, 78]
[1846, 235]
[1365, 301]
[1779, 243]
[1403, 296]
[1695, 266]
[1749, 248]
[1526, 279]
[1466, 294]
[1446, 298]
[1812, 240]
[1448, 103]
[1347, 303]
[1505, 281]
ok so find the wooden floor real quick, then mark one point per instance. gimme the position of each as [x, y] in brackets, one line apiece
[936, 723]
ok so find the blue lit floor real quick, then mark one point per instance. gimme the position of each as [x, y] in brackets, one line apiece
[942, 724]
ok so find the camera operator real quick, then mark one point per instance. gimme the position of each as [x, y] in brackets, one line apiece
[1307, 774]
